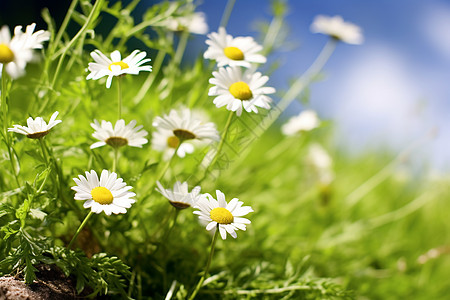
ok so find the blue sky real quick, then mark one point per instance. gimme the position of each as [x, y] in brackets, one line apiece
[389, 92]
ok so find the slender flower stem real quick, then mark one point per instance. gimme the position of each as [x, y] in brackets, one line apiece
[219, 148]
[4, 104]
[44, 153]
[208, 263]
[227, 13]
[115, 160]
[98, 4]
[119, 97]
[79, 229]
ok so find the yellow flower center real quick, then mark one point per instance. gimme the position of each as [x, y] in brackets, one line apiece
[102, 195]
[241, 91]
[233, 53]
[116, 141]
[173, 142]
[221, 215]
[6, 54]
[184, 134]
[119, 63]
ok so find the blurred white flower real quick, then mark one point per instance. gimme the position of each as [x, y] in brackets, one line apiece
[120, 135]
[17, 51]
[321, 162]
[37, 128]
[227, 217]
[239, 90]
[194, 23]
[336, 28]
[185, 126]
[180, 197]
[307, 120]
[165, 141]
[238, 51]
[109, 194]
[103, 66]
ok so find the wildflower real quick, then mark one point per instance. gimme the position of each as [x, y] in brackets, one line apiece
[238, 51]
[17, 51]
[194, 23]
[37, 128]
[236, 90]
[179, 197]
[184, 127]
[109, 194]
[120, 135]
[321, 162]
[103, 66]
[165, 141]
[225, 216]
[307, 120]
[336, 28]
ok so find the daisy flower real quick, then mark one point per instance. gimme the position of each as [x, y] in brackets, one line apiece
[185, 126]
[119, 135]
[109, 194]
[103, 66]
[179, 196]
[165, 141]
[238, 51]
[36, 128]
[17, 51]
[220, 214]
[322, 163]
[239, 90]
[194, 23]
[336, 28]
[307, 120]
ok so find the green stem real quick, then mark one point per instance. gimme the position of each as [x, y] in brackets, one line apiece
[63, 27]
[211, 252]
[115, 160]
[44, 153]
[79, 229]
[151, 77]
[69, 46]
[119, 97]
[219, 148]
[4, 100]
[227, 13]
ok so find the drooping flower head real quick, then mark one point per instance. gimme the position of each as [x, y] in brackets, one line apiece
[238, 51]
[307, 120]
[184, 126]
[180, 197]
[37, 128]
[17, 51]
[227, 217]
[336, 28]
[236, 90]
[109, 194]
[119, 135]
[115, 66]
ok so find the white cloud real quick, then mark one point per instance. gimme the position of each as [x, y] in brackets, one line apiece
[435, 26]
[377, 99]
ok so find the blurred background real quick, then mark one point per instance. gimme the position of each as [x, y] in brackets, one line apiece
[388, 93]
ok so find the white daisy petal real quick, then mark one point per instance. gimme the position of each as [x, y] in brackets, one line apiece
[227, 215]
[179, 196]
[236, 90]
[226, 50]
[336, 28]
[109, 194]
[119, 135]
[36, 128]
[104, 66]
